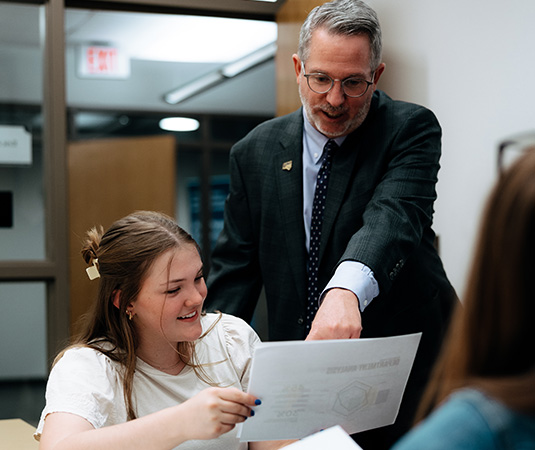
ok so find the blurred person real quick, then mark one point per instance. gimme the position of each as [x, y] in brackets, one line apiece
[482, 392]
[149, 369]
[364, 250]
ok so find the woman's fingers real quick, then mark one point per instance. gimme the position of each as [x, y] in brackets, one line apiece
[237, 396]
[217, 411]
[237, 402]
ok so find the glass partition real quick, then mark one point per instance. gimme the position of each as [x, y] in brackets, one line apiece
[23, 349]
[22, 225]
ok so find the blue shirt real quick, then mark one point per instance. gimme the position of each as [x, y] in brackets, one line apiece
[471, 420]
[351, 275]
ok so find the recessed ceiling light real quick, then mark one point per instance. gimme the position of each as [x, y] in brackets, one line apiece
[179, 124]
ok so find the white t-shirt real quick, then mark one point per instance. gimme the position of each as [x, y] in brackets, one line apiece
[87, 383]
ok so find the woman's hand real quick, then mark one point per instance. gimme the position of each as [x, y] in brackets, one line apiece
[215, 411]
[207, 415]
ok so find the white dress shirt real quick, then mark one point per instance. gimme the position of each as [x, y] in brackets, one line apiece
[351, 275]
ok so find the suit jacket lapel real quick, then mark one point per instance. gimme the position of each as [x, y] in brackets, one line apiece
[341, 173]
[288, 171]
[355, 146]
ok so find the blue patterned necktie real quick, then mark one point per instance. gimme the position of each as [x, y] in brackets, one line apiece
[318, 207]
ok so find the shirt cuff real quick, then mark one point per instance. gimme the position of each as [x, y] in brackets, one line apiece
[357, 278]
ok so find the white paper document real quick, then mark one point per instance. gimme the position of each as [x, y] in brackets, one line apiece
[308, 386]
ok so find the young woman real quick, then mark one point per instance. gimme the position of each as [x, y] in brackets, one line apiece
[149, 370]
[483, 389]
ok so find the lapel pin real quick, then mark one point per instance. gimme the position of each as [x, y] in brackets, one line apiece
[287, 165]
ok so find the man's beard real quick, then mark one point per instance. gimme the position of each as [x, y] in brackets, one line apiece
[350, 125]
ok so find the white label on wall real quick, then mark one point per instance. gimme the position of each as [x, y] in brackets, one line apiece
[15, 145]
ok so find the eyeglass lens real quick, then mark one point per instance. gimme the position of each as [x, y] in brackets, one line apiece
[353, 87]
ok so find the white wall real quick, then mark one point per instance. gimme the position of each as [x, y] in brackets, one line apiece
[473, 63]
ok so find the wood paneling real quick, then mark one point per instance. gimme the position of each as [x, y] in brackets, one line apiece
[109, 179]
[289, 20]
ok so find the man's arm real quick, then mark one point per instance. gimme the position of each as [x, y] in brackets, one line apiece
[401, 207]
[394, 221]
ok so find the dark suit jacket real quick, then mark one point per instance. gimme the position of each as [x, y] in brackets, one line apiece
[379, 212]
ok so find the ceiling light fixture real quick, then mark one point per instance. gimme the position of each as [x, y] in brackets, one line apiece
[179, 124]
[190, 89]
[249, 61]
[231, 70]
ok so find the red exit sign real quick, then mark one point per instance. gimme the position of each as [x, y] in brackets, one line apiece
[97, 61]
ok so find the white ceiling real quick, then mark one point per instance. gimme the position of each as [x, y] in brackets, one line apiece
[169, 49]
[173, 38]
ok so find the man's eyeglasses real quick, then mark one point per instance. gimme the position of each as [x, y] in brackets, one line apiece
[321, 83]
[511, 149]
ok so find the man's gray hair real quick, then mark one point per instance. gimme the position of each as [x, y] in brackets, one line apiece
[347, 18]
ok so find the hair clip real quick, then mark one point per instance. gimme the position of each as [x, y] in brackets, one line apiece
[92, 272]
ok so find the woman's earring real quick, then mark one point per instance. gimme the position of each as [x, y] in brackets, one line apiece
[130, 315]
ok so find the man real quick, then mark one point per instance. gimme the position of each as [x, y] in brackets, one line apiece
[377, 270]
